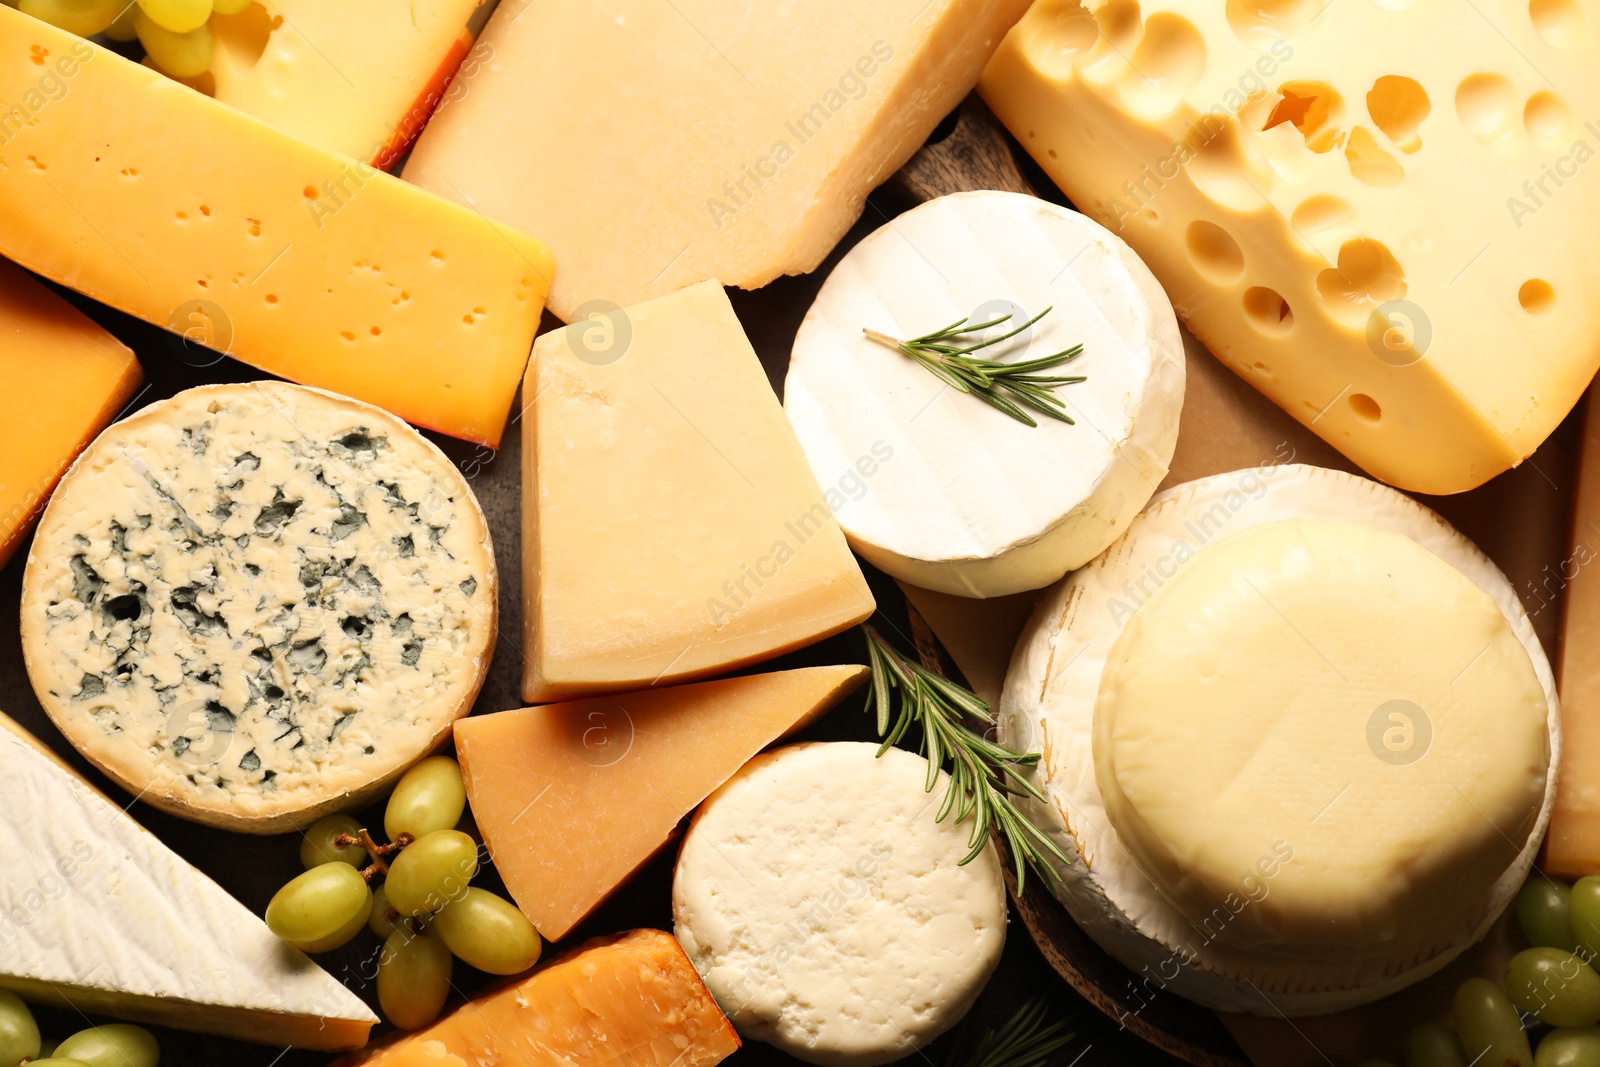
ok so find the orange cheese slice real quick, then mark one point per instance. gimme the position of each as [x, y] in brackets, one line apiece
[62, 378]
[628, 1001]
[150, 197]
[544, 782]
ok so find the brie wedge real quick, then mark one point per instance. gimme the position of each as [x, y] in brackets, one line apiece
[938, 488]
[1298, 737]
[101, 916]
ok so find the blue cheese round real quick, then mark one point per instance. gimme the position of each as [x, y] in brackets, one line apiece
[254, 604]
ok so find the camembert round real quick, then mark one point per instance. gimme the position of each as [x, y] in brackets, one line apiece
[1299, 735]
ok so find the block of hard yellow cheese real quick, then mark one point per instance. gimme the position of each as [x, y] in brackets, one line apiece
[671, 526]
[1365, 209]
[1572, 847]
[165, 204]
[359, 77]
[659, 144]
[548, 783]
[62, 378]
[632, 1000]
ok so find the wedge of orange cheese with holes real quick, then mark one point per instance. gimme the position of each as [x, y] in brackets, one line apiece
[172, 207]
[1365, 209]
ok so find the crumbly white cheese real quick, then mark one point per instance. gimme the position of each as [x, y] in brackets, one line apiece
[828, 911]
[251, 604]
[97, 914]
[1060, 670]
[938, 488]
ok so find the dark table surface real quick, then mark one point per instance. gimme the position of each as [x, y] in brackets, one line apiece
[252, 868]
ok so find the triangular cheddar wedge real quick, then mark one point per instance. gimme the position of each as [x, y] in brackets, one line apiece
[98, 915]
[572, 798]
[672, 528]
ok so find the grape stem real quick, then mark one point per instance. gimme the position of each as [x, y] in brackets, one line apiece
[376, 851]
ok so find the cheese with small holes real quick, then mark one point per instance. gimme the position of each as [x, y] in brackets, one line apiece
[1296, 732]
[541, 779]
[671, 527]
[358, 78]
[626, 1001]
[1366, 210]
[101, 917]
[150, 197]
[971, 500]
[62, 378]
[830, 911]
[716, 140]
[254, 604]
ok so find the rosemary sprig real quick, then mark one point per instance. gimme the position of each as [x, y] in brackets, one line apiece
[984, 775]
[948, 354]
[1027, 1039]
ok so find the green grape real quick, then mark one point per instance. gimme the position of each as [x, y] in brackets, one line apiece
[431, 871]
[1432, 1045]
[1554, 986]
[1490, 1028]
[1543, 912]
[47, 1048]
[429, 797]
[413, 978]
[230, 7]
[379, 922]
[320, 844]
[122, 29]
[322, 908]
[19, 1034]
[182, 55]
[177, 16]
[1569, 1048]
[117, 1045]
[82, 17]
[1583, 912]
[488, 932]
[59, 1061]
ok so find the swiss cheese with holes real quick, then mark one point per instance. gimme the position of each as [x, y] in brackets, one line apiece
[1365, 209]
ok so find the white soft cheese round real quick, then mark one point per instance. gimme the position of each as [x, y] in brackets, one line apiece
[1298, 735]
[937, 487]
[827, 910]
[254, 604]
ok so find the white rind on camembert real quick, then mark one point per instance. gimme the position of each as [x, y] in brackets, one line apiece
[253, 604]
[977, 503]
[829, 913]
[102, 917]
[1298, 736]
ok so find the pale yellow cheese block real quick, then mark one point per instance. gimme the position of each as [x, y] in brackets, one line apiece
[658, 144]
[1368, 210]
[672, 528]
[357, 77]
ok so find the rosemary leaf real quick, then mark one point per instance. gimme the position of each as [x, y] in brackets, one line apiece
[985, 776]
[947, 354]
[1027, 1039]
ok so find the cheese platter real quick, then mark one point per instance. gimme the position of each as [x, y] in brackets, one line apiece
[1009, 534]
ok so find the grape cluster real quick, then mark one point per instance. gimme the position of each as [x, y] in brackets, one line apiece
[116, 1045]
[424, 908]
[176, 34]
[1553, 982]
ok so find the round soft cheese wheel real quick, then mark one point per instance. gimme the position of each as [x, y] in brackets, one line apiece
[827, 910]
[254, 604]
[1330, 722]
[1298, 736]
[937, 487]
